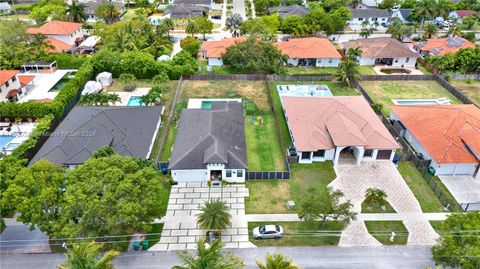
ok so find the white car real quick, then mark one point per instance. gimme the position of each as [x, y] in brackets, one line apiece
[268, 231]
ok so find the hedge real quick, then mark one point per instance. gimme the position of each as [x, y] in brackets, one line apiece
[66, 60]
[42, 125]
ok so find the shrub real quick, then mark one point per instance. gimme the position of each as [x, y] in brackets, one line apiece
[160, 78]
[191, 45]
[129, 82]
[42, 126]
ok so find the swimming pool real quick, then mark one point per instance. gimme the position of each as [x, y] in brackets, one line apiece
[135, 101]
[304, 90]
[4, 140]
[420, 101]
[62, 82]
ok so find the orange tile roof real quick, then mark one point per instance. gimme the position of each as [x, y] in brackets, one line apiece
[443, 46]
[24, 80]
[326, 122]
[310, 47]
[58, 46]
[6, 75]
[462, 13]
[55, 28]
[215, 49]
[444, 130]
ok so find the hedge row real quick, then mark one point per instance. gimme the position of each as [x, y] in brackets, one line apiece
[42, 125]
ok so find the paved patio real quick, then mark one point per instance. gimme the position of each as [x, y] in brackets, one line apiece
[465, 189]
[181, 231]
[355, 180]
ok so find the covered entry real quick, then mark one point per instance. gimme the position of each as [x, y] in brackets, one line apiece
[384, 154]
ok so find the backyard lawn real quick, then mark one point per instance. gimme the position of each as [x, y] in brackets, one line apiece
[299, 233]
[270, 196]
[382, 231]
[263, 147]
[154, 234]
[471, 90]
[310, 70]
[384, 91]
[366, 70]
[437, 225]
[424, 194]
[221, 70]
[373, 207]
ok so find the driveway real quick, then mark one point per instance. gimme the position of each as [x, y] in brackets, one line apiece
[354, 180]
[181, 231]
[465, 189]
[17, 238]
[239, 8]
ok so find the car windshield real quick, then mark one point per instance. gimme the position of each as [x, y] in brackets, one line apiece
[277, 228]
[262, 229]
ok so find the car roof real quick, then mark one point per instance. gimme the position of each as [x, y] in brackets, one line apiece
[270, 228]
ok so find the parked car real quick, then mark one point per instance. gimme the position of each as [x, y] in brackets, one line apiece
[268, 231]
[216, 17]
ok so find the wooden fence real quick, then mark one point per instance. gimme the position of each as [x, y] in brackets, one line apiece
[454, 91]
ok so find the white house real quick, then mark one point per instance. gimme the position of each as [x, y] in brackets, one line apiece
[66, 32]
[10, 86]
[91, 7]
[212, 51]
[371, 15]
[335, 128]
[310, 51]
[460, 14]
[448, 135]
[383, 51]
[210, 144]
[402, 14]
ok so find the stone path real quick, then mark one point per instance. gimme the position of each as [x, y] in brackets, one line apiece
[354, 180]
[181, 231]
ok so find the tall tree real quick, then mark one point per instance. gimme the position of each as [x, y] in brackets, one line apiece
[424, 9]
[192, 28]
[214, 215]
[13, 44]
[10, 166]
[108, 12]
[83, 256]
[205, 26]
[39, 44]
[277, 261]
[398, 29]
[430, 30]
[233, 23]
[75, 12]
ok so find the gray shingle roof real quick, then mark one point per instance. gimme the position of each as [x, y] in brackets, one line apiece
[91, 7]
[214, 135]
[183, 11]
[405, 12]
[193, 2]
[289, 10]
[369, 13]
[129, 130]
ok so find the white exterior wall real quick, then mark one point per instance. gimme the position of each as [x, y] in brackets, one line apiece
[69, 39]
[321, 62]
[189, 175]
[366, 61]
[358, 21]
[403, 62]
[329, 155]
[12, 85]
[235, 178]
[453, 169]
[292, 61]
[215, 61]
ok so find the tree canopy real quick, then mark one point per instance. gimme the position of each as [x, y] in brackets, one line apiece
[466, 60]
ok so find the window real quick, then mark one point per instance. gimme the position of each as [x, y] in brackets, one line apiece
[14, 78]
[306, 155]
[7, 84]
[239, 173]
[319, 154]
[360, 19]
[396, 60]
[407, 60]
[374, 19]
[368, 153]
[228, 173]
[330, 61]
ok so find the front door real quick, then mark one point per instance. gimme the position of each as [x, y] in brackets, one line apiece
[216, 175]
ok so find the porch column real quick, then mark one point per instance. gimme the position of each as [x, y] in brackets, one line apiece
[337, 155]
[361, 151]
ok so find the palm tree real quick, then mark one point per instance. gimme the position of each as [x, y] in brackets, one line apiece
[374, 194]
[191, 28]
[347, 72]
[166, 25]
[83, 255]
[430, 30]
[214, 215]
[423, 9]
[75, 12]
[209, 256]
[39, 44]
[108, 11]
[354, 53]
[277, 261]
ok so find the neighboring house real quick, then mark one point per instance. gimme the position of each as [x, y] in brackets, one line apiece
[336, 127]
[204, 3]
[371, 15]
[210, 144]
[212, 51]
[5, 8]
[10, 87]
[383, 51]
[402, 14]
[442, 46]
[364, 4]
[91, 7]
[130, 130]
[289, 10]
[184, 11]
[310, 51]
[449, 135]
[460, 14]
[61, 34]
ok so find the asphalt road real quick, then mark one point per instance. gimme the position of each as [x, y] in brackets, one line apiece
[387, 257]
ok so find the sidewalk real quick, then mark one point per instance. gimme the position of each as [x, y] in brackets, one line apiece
[360, 217]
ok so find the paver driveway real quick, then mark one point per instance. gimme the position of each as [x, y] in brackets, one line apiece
[355, 180]
[465, 189]
[181, 231]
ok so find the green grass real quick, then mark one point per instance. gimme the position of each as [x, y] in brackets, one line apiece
[270, 196]
[374, 207]
[423, 69]
[165, 195]
[154, 234]
[299, 233]
[263, 146]
[437, 225]
[424, 194]
[471, 90]
[366, 70]
[384, 91]
[448, 194]
[310, 70]
[167, 149]
[130, 13]
[221, 70]
[382, 231]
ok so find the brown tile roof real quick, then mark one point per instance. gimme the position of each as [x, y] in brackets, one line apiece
[57, 45]
[6, 75]
[465, 12]
[444, 130]
[55, 28]
[11, 93]
[325, 122]
[24, 80]
[442, 46]
[381, 47]
[215, 49]
[310, 47]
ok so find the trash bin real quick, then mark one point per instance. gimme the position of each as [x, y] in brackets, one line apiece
[136, 245]
[431, 171]
[395, 159]
[145, 244]
[164, 170]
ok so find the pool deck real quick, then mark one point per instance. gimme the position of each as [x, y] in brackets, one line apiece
[20, 131]
[304, 90]
[125, 96]
[43, 83]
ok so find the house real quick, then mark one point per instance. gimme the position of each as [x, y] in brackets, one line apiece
[61, 34]
[283, 11]
[5, 8]
[371, 15]
[336, 127]
[10, 87]
[91, 7]
[384, 51]
[448, 135]
[212, 51]
[442, 46]
[130, 130]
[460, 14]
[210, 144]
[402, 14]
[200, 3]
[364, 4]
[183, 11]
[310, 51]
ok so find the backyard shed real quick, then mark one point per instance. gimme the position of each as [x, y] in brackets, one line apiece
[105, 79]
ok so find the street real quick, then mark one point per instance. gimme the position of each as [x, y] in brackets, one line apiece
[384, 257]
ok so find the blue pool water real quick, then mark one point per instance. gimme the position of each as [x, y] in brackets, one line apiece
[4, 140]
[135, 101]
[304, 90]
[416, 102]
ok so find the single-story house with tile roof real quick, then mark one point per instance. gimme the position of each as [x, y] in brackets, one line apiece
[130, 130]
[383, 51]
[449, 135]
[442, 46]
[283, 11]
[91, 7]
[371, 15]
[183, 11]
[212, 51]
[310, 51]
[210, 144]
[62, 31]
[402, 14]
[328, 128]
[461, 13]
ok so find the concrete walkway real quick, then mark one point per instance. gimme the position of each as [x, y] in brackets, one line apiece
[360, 217]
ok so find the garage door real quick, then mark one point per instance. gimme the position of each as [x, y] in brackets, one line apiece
[384, 154]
